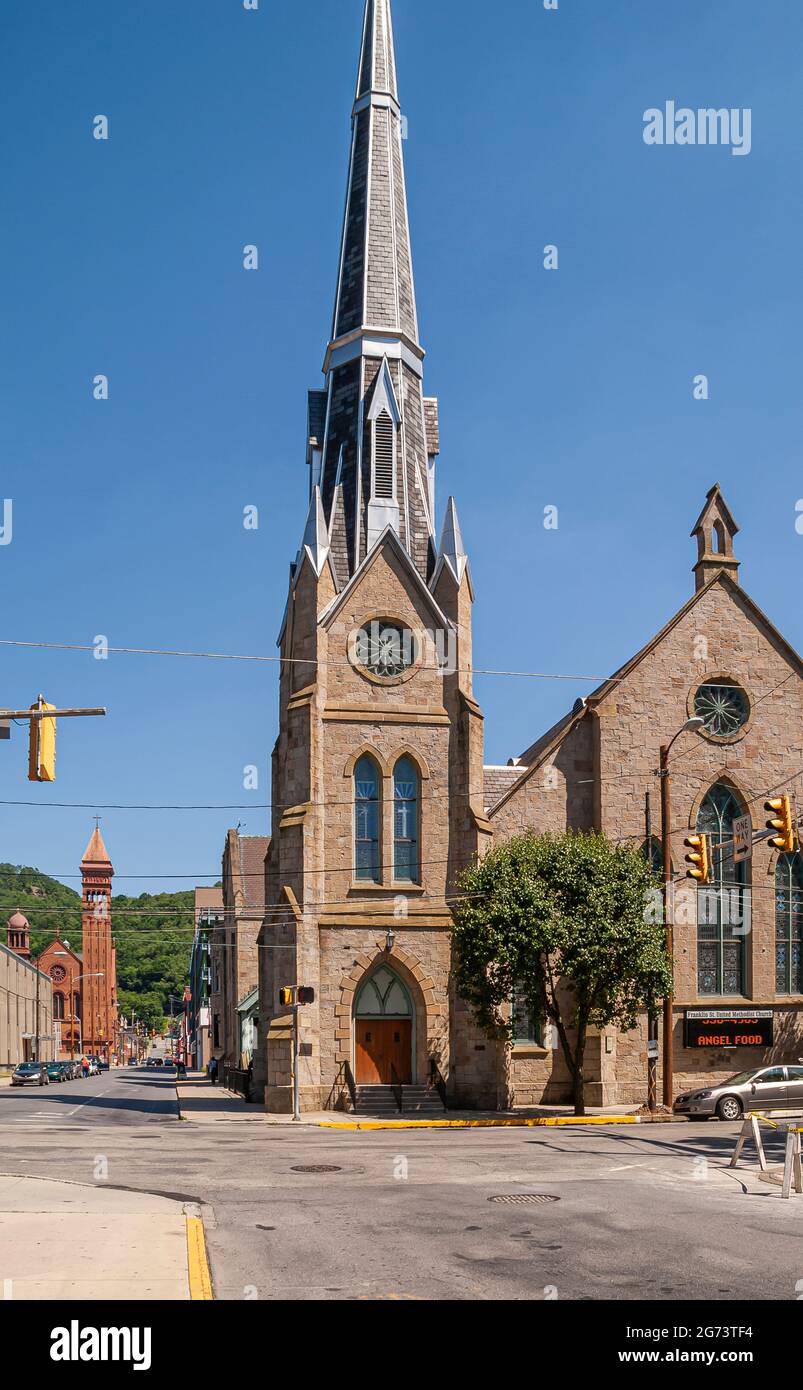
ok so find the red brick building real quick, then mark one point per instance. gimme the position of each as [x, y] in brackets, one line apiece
[99, 955]
[64, 966]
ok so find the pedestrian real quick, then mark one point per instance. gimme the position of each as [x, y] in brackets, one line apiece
[213, 1071]
[84, 1067]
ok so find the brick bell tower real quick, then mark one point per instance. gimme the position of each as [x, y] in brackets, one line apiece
[99, 990]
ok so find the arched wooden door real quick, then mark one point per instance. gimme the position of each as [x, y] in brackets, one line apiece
[383, 1030]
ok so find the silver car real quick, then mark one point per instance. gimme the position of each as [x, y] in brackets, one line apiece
[761, 1088]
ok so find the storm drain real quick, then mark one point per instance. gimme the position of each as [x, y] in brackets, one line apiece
[316, 1168]
[520, 1199]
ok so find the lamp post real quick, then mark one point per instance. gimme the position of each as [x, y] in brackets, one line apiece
[696, 722]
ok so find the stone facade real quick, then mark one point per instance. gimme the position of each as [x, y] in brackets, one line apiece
[335, 922]
[595, 771]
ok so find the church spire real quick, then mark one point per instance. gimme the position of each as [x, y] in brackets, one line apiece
[369, 430]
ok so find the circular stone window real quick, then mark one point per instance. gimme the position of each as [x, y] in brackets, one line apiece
[724, 707]
[385, 648]
[57, 974]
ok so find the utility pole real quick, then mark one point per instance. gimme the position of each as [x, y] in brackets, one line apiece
[666, 855]
[691, 725]
[652, 1017]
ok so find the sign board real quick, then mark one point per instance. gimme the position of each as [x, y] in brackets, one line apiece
[727, 1028]
[652, 1047]
[742, 839]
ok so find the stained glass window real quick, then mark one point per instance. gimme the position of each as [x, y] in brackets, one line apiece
[722, 904]
[723, 707]
[788, 923]
[366, 820]
[405, 821]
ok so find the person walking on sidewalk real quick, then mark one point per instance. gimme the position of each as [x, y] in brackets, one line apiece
[213, 1071]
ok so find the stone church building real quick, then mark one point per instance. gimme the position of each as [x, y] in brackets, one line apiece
[380, 795]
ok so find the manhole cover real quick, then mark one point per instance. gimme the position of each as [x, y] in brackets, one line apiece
[316, 1168]
[524, 1198]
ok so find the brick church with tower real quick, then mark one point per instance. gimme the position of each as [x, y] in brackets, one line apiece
[379, 792]
[84, 982]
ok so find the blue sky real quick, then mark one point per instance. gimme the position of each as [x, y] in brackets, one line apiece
[570, 388]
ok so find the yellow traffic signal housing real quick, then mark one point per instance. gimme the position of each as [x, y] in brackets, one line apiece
[782, 821]
[286, 995]
[42, 747]
[698, 857]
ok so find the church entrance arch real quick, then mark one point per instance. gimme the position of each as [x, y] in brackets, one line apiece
[383, 1030]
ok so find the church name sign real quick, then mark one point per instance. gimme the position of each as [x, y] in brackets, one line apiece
[727, 1027]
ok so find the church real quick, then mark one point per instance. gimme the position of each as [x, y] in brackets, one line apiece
[84, 982]
[380, 794]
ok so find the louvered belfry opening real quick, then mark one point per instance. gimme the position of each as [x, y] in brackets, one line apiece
[383, 455]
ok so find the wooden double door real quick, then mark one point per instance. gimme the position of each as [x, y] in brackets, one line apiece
[382, 1043]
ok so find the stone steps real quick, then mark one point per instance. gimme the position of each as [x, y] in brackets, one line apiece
[380, 1101]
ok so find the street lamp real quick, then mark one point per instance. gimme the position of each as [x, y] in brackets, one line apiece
[691, 725]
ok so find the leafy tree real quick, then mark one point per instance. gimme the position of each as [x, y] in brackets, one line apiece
[566, 920]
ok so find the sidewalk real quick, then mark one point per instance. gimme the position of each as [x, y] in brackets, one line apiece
[203, 1103]
[66, 1240]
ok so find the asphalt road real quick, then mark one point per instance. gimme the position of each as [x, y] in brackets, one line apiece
[126, 1096]
[646, 1211]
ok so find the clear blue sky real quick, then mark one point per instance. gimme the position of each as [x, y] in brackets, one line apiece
[570, 388]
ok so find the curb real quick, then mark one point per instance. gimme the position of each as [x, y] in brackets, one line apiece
[200, 1278]
[481, 1124]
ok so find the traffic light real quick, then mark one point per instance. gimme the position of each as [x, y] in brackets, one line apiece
[42, 747]
[286, 995]
[306, 995]
[783, 821]
[698, 857]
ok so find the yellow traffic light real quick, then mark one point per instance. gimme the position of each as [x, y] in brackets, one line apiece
[698, 857]
[783, 821]
[42, 747]
[286, 995]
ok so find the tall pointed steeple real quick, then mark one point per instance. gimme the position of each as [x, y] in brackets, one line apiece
[370, 431]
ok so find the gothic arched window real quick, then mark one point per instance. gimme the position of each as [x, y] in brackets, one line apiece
[76, 1005]
[58, 1004]
[366, 820]
[722, 904]
[789, 923]
[405, 821]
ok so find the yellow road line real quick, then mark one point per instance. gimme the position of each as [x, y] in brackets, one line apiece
[479, 1124]
[197, 1263]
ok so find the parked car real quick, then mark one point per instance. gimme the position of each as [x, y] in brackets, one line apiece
[168, 1062]
[132, 1062]
[55, 1071]
[94, 1069]
[760, 1088]
[103, 1065]
[73, 1069]
[30, 1074]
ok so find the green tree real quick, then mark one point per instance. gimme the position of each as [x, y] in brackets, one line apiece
[570, 921]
